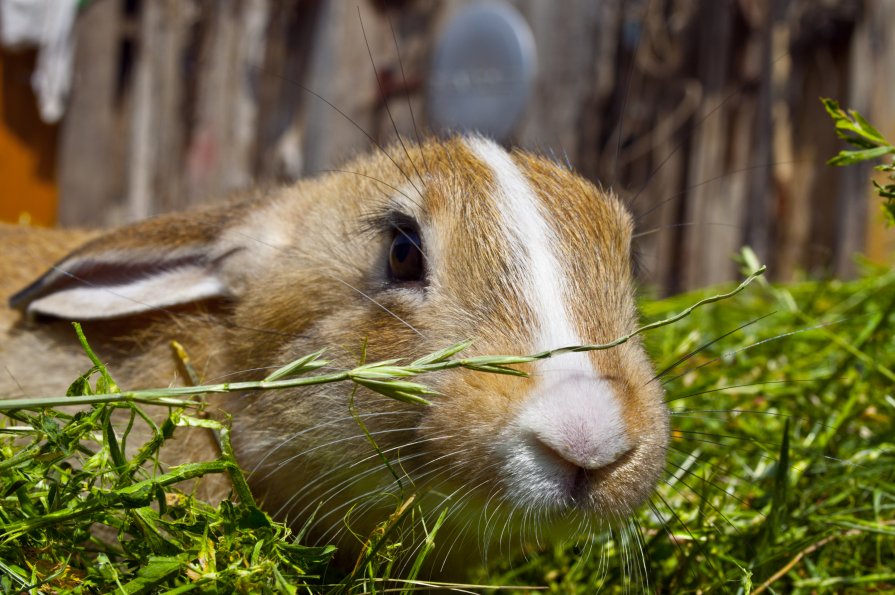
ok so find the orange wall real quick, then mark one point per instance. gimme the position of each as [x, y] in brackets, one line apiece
[28, 191]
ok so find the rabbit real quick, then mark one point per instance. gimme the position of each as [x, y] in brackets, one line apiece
[405, 251]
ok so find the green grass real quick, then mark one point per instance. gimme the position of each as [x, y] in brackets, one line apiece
[781, 475]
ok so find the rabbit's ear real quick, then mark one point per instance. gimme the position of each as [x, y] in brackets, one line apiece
[157, 263]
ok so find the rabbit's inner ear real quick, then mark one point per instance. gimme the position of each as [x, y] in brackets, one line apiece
[83, 299]
[98, 281]
[151, 265]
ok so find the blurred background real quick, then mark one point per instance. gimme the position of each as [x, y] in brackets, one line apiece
[703, 114]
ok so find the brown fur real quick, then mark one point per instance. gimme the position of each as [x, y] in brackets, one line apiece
[304, 272]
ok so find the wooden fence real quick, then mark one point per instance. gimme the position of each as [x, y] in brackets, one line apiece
[703, 113]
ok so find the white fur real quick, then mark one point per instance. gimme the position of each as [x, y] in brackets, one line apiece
[159, 290]
[572, 410]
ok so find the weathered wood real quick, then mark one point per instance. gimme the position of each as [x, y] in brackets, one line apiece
[703, 114]
[222, 145]
[342, 85]
[766, 17]
[851, 203]
[157, 134]
[552, 118]
[281, 98]
[716, 203]
[92, 177]
[879, 244]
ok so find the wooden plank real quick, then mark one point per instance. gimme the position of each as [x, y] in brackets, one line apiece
[157, 127]
[765, 17]
[821, 48]
[656, 98]
[91, 148]
[221, 149]
[565, 79]
[399, 106]
[787, 241]
[851, 198]
[281, 98]
[339, 115]
[707, 253]
[879, 245]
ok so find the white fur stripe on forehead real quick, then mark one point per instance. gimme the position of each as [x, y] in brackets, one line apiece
[533, 239]
[572, 410]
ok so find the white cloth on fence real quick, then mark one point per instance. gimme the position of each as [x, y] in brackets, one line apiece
[49, 25]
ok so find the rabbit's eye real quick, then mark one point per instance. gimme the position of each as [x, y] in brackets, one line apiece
[406, 263]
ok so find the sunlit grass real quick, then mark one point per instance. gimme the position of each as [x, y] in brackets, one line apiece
[781, 473]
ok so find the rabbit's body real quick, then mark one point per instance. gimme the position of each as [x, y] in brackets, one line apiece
[517, 254]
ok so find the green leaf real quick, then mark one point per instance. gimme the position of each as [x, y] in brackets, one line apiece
[156, 571]
[384, 372]
[111, 441]
[408, 392]
[300, 366]
[866, 130]
[443, 355]
[852, 157]
[105, 568]
[887, 191]
[81, 386]
[866, 135]
[856, 130]
[495, 369]
[498, 360]
[253, 517]
[105, 385]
